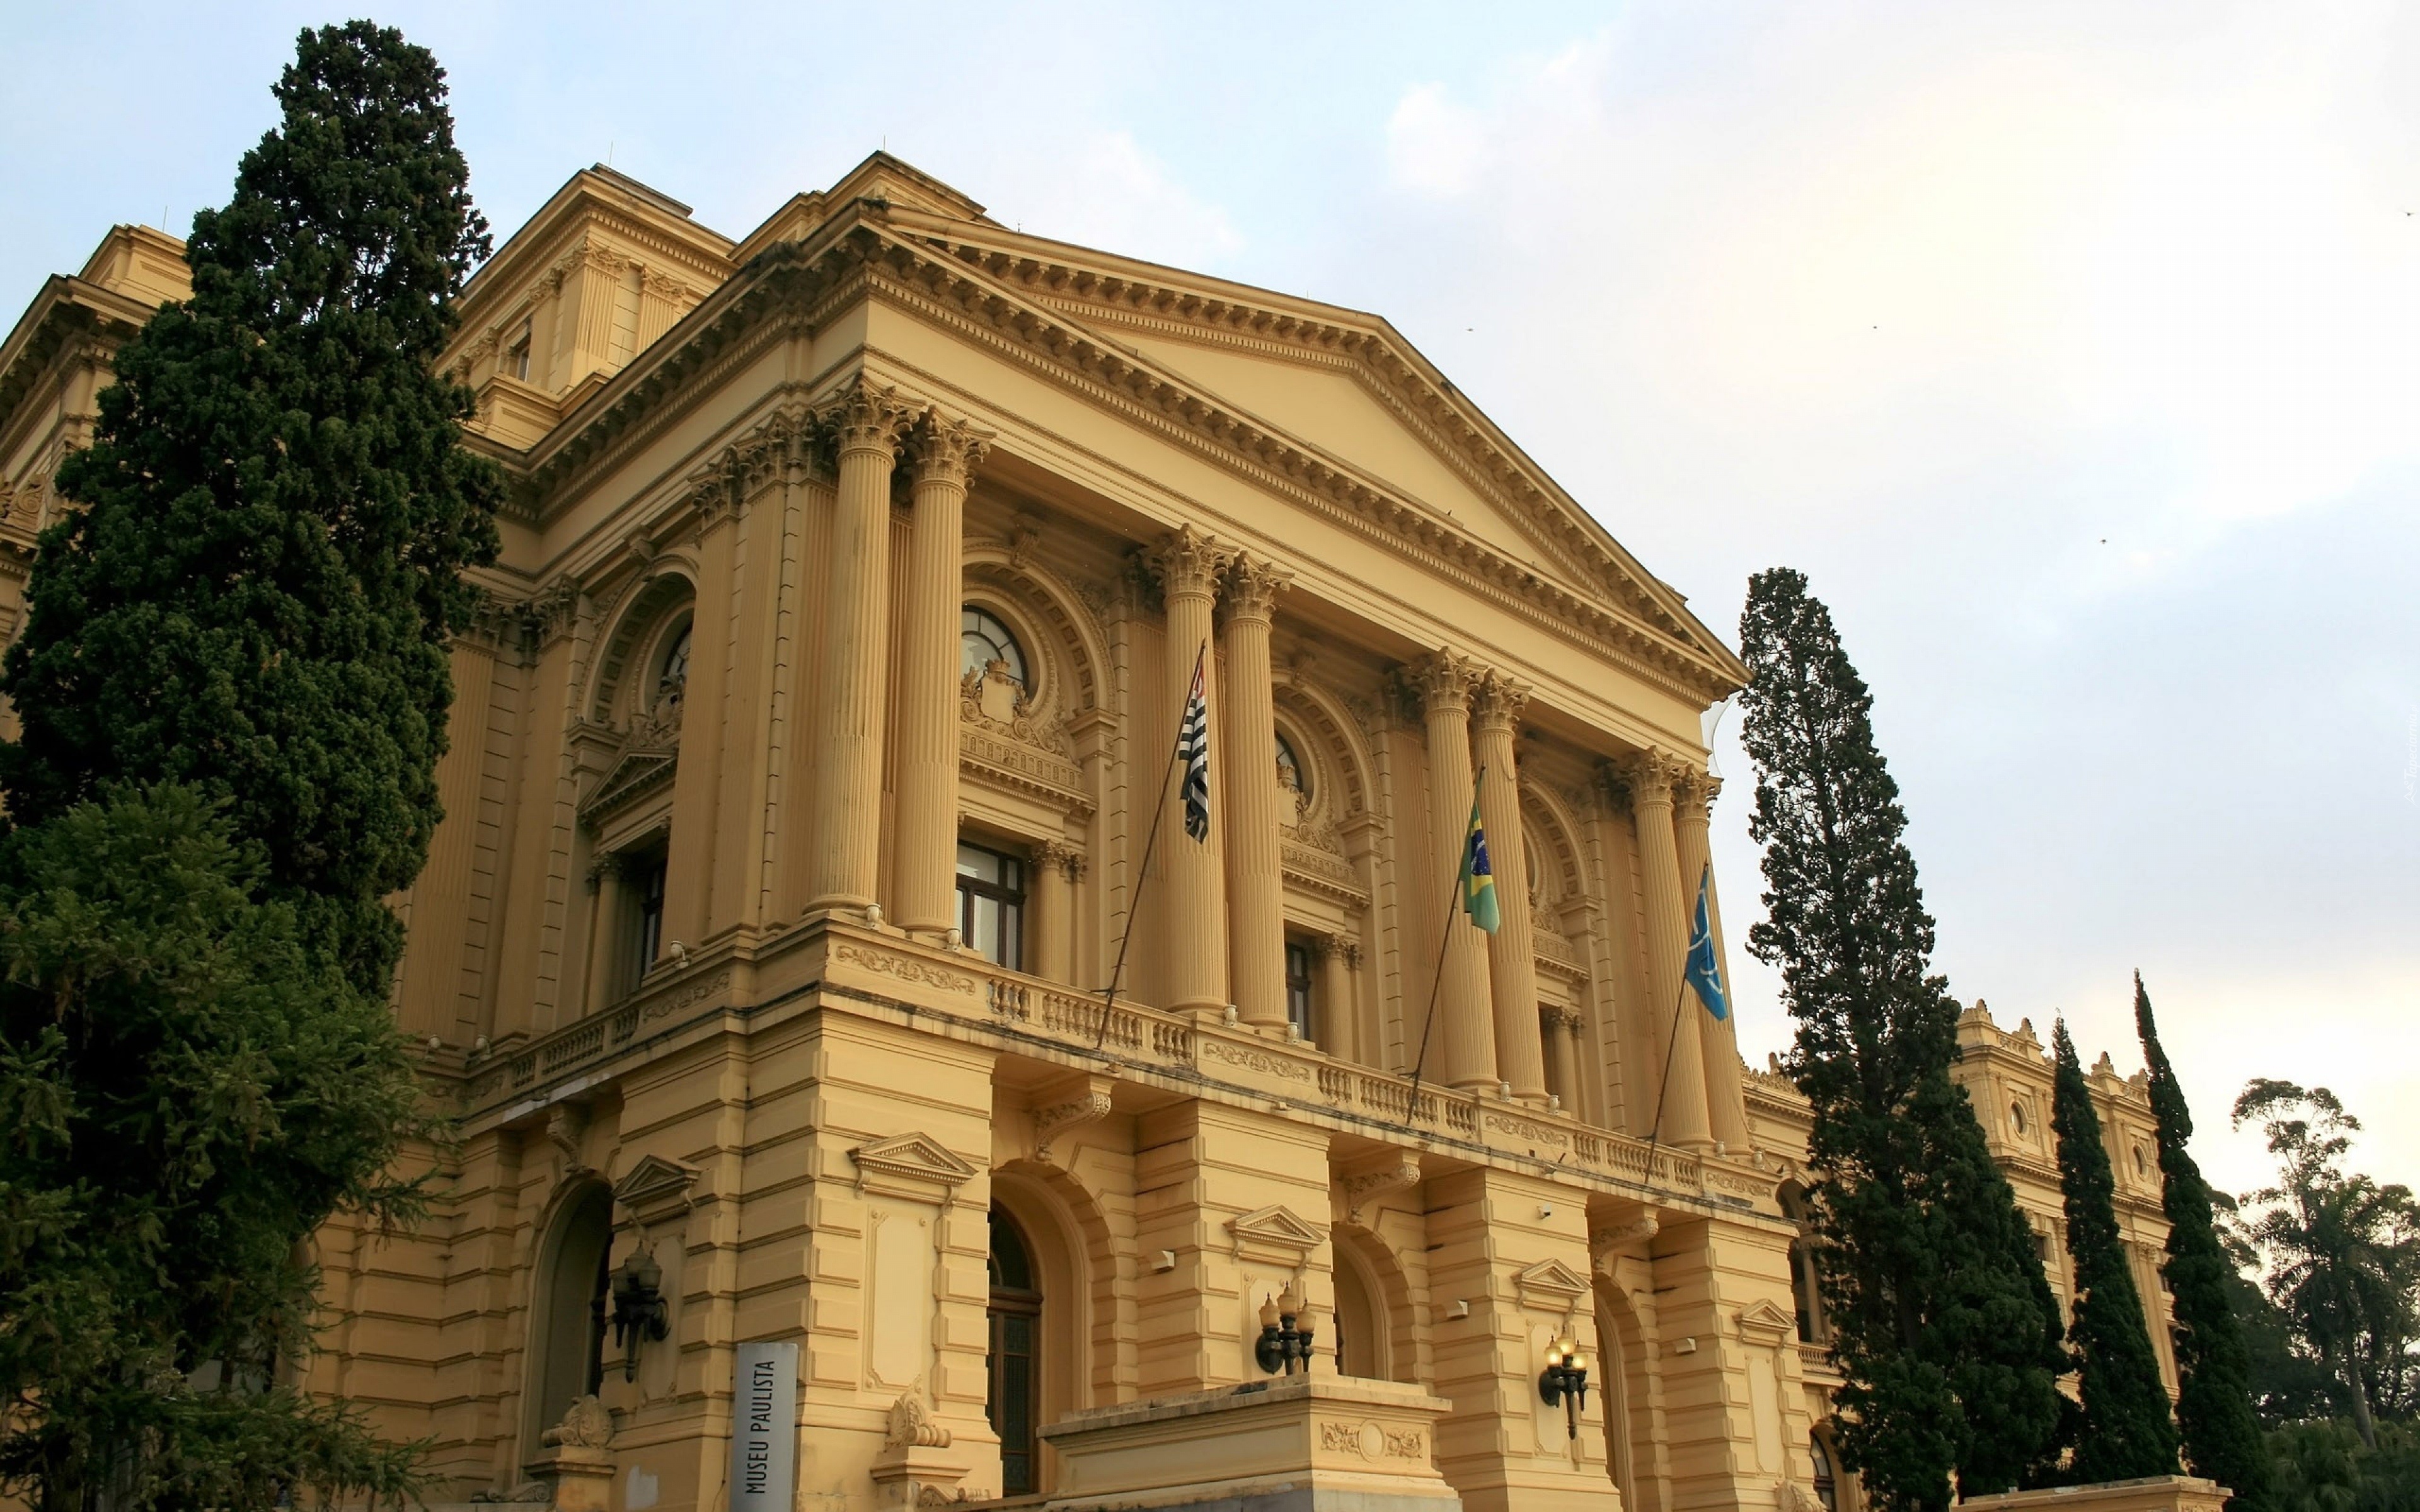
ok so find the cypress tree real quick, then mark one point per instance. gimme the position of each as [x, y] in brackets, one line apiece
[257, 591]
[232, 690]
[2222, 1437]
[1944, 1326]
[2125, 1431]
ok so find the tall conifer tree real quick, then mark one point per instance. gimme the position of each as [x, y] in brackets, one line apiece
[2125, 1431]
[2221, 1434]
[232, 689]
[1942, 1322]
[259, 591]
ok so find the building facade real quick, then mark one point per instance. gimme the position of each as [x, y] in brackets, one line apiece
[811, 780]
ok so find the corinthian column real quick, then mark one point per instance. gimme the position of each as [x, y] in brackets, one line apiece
[1681, 1081]
[1693, 798]
[1255, 876]
[1055, 867]
[1512, 958]
[926, 819]
[1188, 566]
[867, 422]
[1464, 1036]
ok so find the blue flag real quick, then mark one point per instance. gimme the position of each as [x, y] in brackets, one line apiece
[1704, 973]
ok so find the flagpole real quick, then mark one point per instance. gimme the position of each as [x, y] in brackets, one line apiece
[1672, 1044]
[1436, 978]
[1142, 874]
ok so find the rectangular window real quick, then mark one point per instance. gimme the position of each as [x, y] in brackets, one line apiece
[647, 886]
[517, 358]
[1297, 978]
[991, 906]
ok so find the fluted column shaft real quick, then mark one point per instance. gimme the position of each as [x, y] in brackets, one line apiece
[841, 871]
[1464, 1040]
[1194, 916]
[1337, 1019]
[943, 454]
[1255, 873]
[1693, 799]
[1054, 912]
[1512, 958]
[1681, 1082]
[604, 932]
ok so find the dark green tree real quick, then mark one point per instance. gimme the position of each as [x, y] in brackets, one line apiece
[186, 1093]
[2125, 1431]
[2342, 1251]
[257, 591]
[2221, 1435]
[1944, 1324]
[232, 687]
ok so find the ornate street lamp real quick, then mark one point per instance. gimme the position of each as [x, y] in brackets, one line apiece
[1564, 1382]
[638, 1308]
[1288, 1325]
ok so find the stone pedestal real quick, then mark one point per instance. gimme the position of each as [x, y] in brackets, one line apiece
[1292, 1443]
[2151, 1493]
[580, 1478]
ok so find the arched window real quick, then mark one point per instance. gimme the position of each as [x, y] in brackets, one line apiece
[570, 1309]
[672, 681]
[1360, 1325]
[1291, 774]
[2017, 1116]
[983, 639]
[1827, 1488]
[1015, 1388]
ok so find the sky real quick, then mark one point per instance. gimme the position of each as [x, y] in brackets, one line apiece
[2073, 350]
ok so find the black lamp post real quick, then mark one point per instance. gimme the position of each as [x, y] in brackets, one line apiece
[638, 1308]
[1564, 1382]
[1287, 1327]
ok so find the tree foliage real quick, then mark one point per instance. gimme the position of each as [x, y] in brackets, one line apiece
[2219, 1431]
[2125, 1431]
[2341, 1253]
[233, 686]
[257, 594]
[1944, 1326]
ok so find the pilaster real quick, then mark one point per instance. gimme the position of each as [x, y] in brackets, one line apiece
[943, 452]
[1255, 876]
[1693, 798]
[1188, 566]
[867, 422]
[1464, 1029]
[1512, 962]
[1055, 867]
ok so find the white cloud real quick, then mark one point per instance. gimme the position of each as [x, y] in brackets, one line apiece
[1433, 143]
[1111, 193]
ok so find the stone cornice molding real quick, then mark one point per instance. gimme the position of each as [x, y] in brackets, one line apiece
[1443, 680]
[947, 451]
[1188, 562]
[792, 287]
[1498, 702]
[1253, 584]
[1235, 316]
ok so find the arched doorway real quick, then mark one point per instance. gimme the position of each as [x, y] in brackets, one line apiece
[1361, 1334]
[567, 1325]
[1015, 1388]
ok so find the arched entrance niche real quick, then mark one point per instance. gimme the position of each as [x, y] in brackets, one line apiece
[1373, 1336]
[567, 1355]
[1621, 1378]
[1049, 1244]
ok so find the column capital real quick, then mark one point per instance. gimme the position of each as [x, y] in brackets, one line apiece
[1056, 855]
[946, 450]
[1694, 792]
[869, 417]
[1253, 584]
[1339, 947]
[1651, 775]
[1498, 701]
[1187, 561]
[1444, 680]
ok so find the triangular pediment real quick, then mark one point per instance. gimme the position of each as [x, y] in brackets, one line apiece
[654, 1185]
[1761, 1320]
[1550, 1283]
[634, 774]
[917, 1163]
[1275, 1231]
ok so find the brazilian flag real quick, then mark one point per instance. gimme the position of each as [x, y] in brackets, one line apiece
[1479, 877]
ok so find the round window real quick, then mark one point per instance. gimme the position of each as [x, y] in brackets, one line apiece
[983, 640]
[673, 680]
[1291, 774]
[2017, 1116]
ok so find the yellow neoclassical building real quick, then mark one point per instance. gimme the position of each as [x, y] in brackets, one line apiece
[811, 777]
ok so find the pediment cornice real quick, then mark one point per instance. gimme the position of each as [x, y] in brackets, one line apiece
[794, 286]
